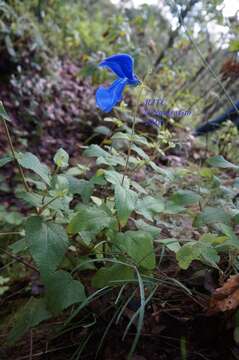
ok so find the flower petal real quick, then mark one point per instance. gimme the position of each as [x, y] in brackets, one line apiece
[107, 98]
[121, 64]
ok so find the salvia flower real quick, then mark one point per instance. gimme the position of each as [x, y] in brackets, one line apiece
[121, 65]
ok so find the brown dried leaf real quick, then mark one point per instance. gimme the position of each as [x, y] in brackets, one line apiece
[226, 297]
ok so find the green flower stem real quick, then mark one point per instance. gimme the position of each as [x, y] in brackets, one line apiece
[14, 155]
[132, 132]
[40, 211]
[46, 190]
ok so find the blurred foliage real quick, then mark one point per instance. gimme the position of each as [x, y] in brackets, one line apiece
[19, 35]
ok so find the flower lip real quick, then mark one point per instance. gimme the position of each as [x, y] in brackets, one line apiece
[122, 65]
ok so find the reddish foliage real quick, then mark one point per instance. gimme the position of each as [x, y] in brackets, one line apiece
[230, 69]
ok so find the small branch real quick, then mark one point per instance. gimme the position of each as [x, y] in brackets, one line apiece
[20, 259]
[31, 346]
[118, 222]
[46, 205]
[14, 155]
[203, 59]
[10, 233]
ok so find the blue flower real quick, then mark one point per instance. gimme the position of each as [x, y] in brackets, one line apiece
[121, 65]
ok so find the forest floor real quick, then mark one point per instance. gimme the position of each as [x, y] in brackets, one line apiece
[177, 325]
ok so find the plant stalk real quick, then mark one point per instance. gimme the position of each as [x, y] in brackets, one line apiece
[14, 155]
[40, 211]
[132, 133]
[19, 259]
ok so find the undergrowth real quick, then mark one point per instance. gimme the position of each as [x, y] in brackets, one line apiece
[111, 226]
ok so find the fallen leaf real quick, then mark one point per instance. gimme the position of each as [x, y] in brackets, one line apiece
[226, 297]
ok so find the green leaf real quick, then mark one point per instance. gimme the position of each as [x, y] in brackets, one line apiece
[60, 186]
[172, 244]
[95, 151]
[138, 139]
[140, 152]
[63, 291]
[111, 160]
[236, 329]
[211, 215]
[18, 246]
[30, 198]
[125, 201]
[108, 276]
[234, 45]
[187, 254]
[98, 178]
[142, 225]
[31, 162]
[13, 218]
[61, 159]
[5, 160]
[89, 219]
[165, 173]
[172, 208]
[40, 185]
[104, 157]
[47, 242]
[197, 250]
[232, 238]
[206, 172]
[3, 113]
[82, 187]
[185, 197]
[9, 46]
[220, 162]
[120, 136]
[3, 287]
[149, 206]
[139, 246]
[3, 280]
[214, 239]
[138, 187]
[36, 200]
[208, 254]
[31, 315]
[87, 236]
[102, 130]
[115, 178]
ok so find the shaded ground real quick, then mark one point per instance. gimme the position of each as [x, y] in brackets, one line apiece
[50, 110]
[177, 325]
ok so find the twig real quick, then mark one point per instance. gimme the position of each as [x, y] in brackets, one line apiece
[14, 155]
[48, 351]
[31, 346]
[204, 61]
[10, 233]
[19, 259]
[46, 205]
